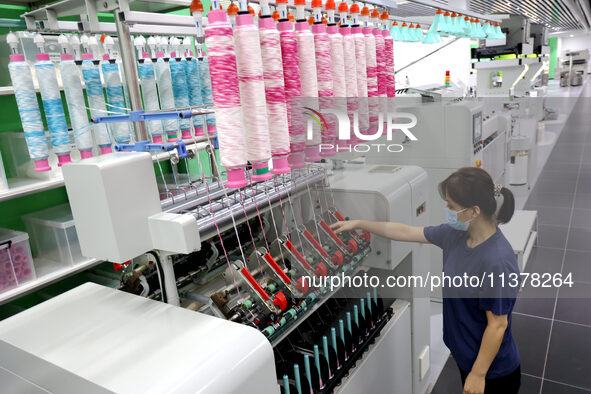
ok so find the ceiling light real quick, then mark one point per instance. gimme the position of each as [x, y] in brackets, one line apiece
[571, 35]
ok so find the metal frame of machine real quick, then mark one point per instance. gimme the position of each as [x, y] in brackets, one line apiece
[273, 303]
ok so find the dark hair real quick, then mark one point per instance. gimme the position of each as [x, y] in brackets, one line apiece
[471, 186]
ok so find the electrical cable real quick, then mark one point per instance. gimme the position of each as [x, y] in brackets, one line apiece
[160, 275]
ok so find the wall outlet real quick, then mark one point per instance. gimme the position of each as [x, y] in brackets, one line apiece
[424, 362]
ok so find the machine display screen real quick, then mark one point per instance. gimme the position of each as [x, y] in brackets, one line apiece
[477, 127]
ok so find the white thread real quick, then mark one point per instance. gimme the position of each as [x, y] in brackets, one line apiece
[308, 79]
[252, 92]
[96, 100]
[74, 95]
[164, 83]
[150, 95]
[28, 108]
[275, 91]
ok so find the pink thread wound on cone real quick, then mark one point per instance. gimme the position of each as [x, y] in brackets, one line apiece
[274, 94]
[325, 84]
[226, 97]
[390, 76]
[252, 89]
[293, 87]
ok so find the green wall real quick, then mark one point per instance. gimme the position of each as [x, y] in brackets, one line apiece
[553, 43]
[11, 211]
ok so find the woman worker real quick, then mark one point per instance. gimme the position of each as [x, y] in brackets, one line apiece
[476, 322]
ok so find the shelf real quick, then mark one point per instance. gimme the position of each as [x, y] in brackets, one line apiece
[19, 187]
[485, 64]
[47, 273]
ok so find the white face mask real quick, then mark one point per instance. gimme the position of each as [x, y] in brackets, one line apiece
[454, 222]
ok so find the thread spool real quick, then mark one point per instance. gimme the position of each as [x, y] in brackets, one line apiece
[252, 94]
[338, 75]
[180, 91]
[150, 95]
[114, 90]
[164, 83]
[293, 88]
[226, 97]
[350, 77]
[53, 108]
[206, 91]
[275, 94]
[361, 67]
[96, 100]
[372, 77]
[380, 61]
[323, 60]
[30, 114]
[309, 84]
[371, 62]
[337, 57]
[389, 58]
[76, 105]
[194, 88]
[325, 85]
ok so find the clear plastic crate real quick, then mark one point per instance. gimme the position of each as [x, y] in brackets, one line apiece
[16, 262]
[16, 154]
[53, 235]
[3, 182]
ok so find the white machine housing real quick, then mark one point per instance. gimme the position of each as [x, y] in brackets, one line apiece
[395, 194]
[97, 340]
[115, 204]
[450, 136]
[93, 339]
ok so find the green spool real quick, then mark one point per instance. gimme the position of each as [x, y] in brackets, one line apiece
[269, 331]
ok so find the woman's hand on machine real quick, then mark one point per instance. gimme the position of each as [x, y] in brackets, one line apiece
[348, 225]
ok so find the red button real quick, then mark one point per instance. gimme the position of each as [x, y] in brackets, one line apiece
[352, 246]
[302, 285]
[280, 301]
[321, 269]
[337, 258]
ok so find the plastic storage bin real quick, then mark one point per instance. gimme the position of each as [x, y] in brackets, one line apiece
[53, 235]
[3, 182]
[16, 155]
[16, 262]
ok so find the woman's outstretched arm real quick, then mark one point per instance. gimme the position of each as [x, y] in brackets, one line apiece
[393, 231]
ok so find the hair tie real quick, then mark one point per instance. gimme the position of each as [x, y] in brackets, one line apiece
[499, 198]
[498, 190]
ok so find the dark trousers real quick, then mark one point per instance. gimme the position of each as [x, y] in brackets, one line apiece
[508, 384]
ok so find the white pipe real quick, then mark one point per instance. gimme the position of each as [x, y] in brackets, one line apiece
[172, 293]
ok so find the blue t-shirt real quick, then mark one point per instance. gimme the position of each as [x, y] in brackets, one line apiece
[464, 310]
